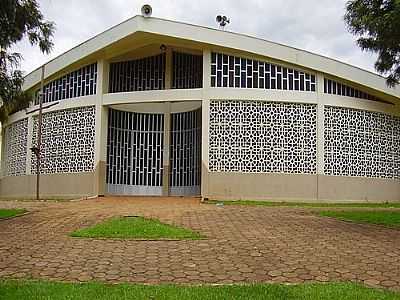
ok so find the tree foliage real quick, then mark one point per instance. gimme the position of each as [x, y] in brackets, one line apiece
[377, 24]
[19, 19]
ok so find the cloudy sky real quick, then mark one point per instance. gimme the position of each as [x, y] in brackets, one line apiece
[313, 25]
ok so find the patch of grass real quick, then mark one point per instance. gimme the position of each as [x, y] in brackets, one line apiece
[304, 204]
[380, 217]
[136, 228]
[8, 213]
[41, 290]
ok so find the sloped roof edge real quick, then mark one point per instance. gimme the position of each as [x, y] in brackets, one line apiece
[218, 38]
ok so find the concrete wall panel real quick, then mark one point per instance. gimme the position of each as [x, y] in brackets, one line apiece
[298, 187]
[73, 185]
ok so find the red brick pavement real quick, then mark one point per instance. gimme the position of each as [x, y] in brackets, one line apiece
[244, 244]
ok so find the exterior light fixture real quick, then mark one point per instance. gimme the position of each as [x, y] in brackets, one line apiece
[222, 21]
[146, 11]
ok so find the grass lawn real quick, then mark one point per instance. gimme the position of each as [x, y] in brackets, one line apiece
[305, 204]
[38, 290]
[136, 228]
[7, 213]
[382, 217]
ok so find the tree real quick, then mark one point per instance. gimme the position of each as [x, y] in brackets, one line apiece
[19, 19]
[377, 24]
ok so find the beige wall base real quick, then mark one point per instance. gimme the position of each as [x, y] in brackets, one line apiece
[100, 179]
[298, 187]
[358, 188]
[219, 185]
[54, 186]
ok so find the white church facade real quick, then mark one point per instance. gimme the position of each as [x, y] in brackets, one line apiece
[158, 107]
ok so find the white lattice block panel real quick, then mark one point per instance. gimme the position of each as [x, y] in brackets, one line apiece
[361, 143]
[67, 141]
[16, 136]
[262, 137]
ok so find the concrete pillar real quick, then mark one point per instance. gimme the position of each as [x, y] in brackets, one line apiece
[206, 69]
[167, 124]
[168, 69]
[100, 155]
[205, 120]
[167, 144]
[100, 89]
[101, 149]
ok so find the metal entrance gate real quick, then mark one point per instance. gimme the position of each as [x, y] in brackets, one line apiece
[185, 153]
[134, 153]
[135, 145]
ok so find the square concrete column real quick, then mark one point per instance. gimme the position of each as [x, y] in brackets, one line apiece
[100, 155]
[168, 69]
[167, 124]
[166, 153]
[205, 122]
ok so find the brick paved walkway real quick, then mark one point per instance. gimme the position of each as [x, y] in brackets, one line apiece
[245, 244]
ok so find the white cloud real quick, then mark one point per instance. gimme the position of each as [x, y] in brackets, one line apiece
[313, 25]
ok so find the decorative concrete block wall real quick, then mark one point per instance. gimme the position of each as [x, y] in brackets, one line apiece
[67, 141]
[262, 137]
[361, 143]
[15, 148]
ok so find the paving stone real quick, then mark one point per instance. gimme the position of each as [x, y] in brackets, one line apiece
[275, 273]
[244, 244]
[372, 282]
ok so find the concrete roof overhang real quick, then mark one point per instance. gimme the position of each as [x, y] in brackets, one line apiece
[139, 31]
